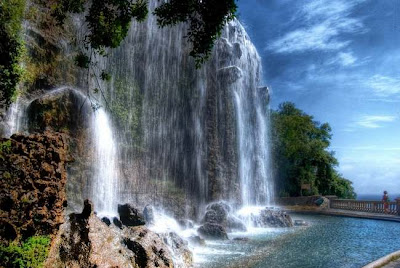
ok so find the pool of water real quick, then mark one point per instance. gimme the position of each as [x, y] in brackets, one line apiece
[328, 241]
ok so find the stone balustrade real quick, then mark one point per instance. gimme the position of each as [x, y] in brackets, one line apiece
[366, 206]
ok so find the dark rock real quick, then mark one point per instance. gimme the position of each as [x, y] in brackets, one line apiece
[148, 214]
[106, 221]
[219, 213]
[197, 241]
[117, 222]
[212, 231]
[130, 216]
[235, 224]
[273, 218]
[241, 239]
[186, 224]
[230, 74]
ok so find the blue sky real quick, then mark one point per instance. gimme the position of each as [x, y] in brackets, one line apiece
[338, 60]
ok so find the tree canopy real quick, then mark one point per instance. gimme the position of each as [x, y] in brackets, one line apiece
[109, 20]
[301, 155]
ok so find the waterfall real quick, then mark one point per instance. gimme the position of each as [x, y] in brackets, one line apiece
[173, 135]
[105, 165]
[14, 120]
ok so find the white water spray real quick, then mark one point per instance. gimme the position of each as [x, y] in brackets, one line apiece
[106, 172]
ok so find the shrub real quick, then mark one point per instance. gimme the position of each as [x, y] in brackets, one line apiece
[32, 253]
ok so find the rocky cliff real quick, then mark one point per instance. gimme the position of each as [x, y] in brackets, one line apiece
[32, 186]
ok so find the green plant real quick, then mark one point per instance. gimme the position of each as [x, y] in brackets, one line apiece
[11, 48]
[5, 148]
[31, 253]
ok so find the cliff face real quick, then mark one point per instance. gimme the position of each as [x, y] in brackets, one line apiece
[32, 186]
[183, 136]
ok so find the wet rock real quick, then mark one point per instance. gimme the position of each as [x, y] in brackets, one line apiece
[85, 241]
[197, 241]
[235, 224]
[230, 74]
[117, 222]
[186, 224]
[273, 218]
[130, 216]
[155, 248]
[241, 239]
[300, 223]
[32, 185]
[106, 221]
[179, 247]
[219, 213]
[212, 231]
[148, 214]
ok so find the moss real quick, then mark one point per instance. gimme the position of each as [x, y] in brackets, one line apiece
[126, 109]
[5, 148]
[31, 253]
[11, 48]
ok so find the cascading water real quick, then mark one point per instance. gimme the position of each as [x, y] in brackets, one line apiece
[176, 136]
[105, 165]
[185, 135]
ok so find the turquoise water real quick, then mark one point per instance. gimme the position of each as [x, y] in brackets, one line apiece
[327, 242]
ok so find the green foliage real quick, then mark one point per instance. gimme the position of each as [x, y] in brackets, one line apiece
[206, 20]
[300, 151]
[105, 76]
[5, 148]
[81, 60]
[109, 21]
[11, 48]
[32, 253]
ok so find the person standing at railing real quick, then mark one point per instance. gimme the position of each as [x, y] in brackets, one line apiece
[385, 200]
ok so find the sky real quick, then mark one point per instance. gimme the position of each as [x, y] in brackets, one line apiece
[338, 60]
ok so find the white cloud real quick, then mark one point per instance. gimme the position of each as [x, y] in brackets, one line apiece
[326, 21]
[375, 121]
[344, 59]
[384, 86]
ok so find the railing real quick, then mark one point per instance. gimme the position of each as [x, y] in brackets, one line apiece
[366, 206]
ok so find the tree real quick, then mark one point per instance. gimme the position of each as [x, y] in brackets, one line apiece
[300, 151]
[109, 20]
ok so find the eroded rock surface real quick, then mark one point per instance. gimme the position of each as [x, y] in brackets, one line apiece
[87, 241]
[32, 184]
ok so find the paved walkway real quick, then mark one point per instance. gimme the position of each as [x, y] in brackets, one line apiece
[342, 212]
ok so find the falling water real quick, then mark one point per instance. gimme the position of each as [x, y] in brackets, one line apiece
[14, 120]
[106, 173]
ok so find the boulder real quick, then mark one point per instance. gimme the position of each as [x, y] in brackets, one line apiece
[272, 218]
[148, 214]
[84, 240]
[117, 223]
[219, 213]
[130, 216]
[235, 224]
[106, 221]
[197, 241]
[186, 224]
[212, 231]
